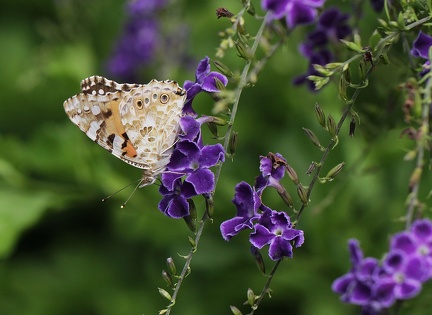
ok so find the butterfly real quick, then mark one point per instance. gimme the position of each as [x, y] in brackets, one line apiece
[138, 123]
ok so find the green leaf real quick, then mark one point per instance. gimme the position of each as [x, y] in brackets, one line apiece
[20, 210]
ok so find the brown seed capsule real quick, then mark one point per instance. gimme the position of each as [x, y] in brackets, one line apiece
[223, 12]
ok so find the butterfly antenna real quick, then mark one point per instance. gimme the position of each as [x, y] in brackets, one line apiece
[136, 187]
[138, 180]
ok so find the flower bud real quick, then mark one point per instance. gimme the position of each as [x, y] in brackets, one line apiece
[251, 297]
[235, 310]
[331, 125]
[171, 266]
[320, 115]
[232, 143]
[313, 138]
[165, 294]
[167, 278]
[302, 193]
[286, 197]
[209, 207]
[292, 174]
[352, 127]
[334, 171]
[213, 129]
[311, 168]
[258, 258]
[190, 223]
[223, 68]
[220, 86]
[243, 51]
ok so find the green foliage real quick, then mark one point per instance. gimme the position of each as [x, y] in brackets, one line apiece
[63, 251]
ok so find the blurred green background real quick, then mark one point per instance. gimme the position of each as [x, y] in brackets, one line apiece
[63, 251]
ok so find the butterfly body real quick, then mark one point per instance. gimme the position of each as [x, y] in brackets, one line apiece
[138, 123]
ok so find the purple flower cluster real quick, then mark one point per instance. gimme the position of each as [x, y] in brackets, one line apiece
[331, 27]
[140, 38]
[376, 286]
[187, 174]
[269, 227]
[296, 12]
[420, 48]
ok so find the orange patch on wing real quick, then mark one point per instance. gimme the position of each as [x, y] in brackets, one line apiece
[130, 150]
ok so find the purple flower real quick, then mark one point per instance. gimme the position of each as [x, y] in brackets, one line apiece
[422, 232]
[174, 203]
[145, 7]
[401, 275]
[139, 40]
[272, 169]
[365, 284]
[331, 27]
[247, 202]
[296, 12]
[188, 173]
[421, 45]
[275, 229]
[407, 272]
[204, 81]
[321, 57]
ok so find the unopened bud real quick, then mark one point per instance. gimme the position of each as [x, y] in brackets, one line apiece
[286, 197]
[190, 222]
[243, 51]
[352, 127]
[320, 115]
[235, 310]
[311, 168]
[335, 170]
[292, 174]
[313, 138]
[167, 278]
[415, 178]
[213, 129]
[331, 125]
[258, 258]
[165, 294]
[251, 297]
[302, 193]
[171, 266]
[192, 209]
[209, 206]
[232, 146]
[223, 68]
[220, 86]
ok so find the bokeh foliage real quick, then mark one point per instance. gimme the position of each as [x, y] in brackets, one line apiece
[63, 251]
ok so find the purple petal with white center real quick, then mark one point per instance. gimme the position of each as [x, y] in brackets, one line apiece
[202, 180]
[280, 248]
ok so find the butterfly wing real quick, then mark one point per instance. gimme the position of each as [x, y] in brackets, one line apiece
[150, 115]
[137, 123]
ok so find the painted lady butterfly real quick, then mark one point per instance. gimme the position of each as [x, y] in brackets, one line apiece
[138, 123]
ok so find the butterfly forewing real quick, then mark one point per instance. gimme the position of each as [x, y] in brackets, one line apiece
[137, 123]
